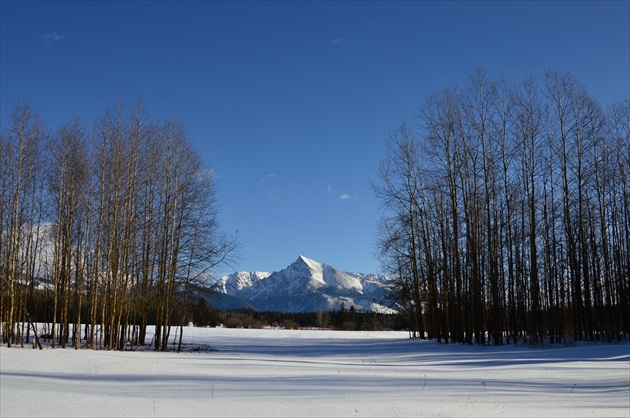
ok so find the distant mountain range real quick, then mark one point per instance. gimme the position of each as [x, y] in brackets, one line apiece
[304, 286]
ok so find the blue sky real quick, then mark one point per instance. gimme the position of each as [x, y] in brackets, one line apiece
[290, 103]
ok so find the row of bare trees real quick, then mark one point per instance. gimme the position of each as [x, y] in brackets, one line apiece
[506, 213]
[115, 222]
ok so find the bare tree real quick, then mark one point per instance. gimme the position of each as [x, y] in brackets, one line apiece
[67, 185]
[130, 217]
[400, 193]
[20, 214]
[509, 209]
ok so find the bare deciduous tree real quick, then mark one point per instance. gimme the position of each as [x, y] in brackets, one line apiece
[132, 223]
[509, 208]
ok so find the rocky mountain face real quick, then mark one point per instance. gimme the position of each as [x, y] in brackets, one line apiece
[305, 286]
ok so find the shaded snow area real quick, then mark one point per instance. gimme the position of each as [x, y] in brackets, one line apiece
[317, 373]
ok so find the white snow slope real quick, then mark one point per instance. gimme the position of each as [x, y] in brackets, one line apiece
[317, 373]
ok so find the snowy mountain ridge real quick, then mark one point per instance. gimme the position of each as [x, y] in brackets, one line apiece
[306, 286]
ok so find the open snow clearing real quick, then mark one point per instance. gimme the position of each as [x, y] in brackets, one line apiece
[240, 372]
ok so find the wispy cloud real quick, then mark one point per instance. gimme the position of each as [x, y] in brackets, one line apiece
[52, 37]
[329, 188]
[270, 186]
[342, 41]
[346, 196]
[268, 176]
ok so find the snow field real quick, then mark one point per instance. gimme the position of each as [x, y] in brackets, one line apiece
[317, 373]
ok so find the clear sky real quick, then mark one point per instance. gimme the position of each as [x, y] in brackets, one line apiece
[290, 103]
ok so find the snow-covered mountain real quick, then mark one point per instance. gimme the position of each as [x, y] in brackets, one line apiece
[307, 286]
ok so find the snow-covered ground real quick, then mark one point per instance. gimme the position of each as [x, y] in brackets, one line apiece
[317, 373]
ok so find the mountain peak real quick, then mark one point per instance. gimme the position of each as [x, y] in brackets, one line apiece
[312, 265]
[306, 260]
[307, 285]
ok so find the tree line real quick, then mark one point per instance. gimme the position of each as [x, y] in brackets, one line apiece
[114, 222]
[337, 319]
[506, 213]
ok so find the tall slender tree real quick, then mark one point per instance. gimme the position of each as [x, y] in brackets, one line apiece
[509, 206]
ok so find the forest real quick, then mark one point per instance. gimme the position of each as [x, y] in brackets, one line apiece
[506, 213]
[505, 218]
[102, 227]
